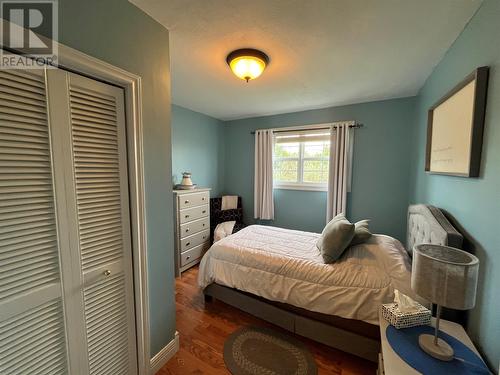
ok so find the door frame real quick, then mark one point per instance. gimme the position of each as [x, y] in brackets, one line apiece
[81, 63]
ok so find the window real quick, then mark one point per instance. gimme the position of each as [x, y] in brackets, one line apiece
[301, 159]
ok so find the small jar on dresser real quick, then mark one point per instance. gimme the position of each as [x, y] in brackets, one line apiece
[192, 227]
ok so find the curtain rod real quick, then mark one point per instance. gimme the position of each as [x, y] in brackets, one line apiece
[355, 126]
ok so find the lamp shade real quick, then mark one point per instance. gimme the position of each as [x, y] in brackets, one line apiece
[445, 276]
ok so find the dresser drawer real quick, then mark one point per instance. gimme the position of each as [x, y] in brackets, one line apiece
[194, 240]
[194, 227]
[192, 200]
[194, 254]
[190, 214]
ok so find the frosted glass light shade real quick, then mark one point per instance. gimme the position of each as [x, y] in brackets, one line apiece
[445, 276]
[247, 67]
[247, 63]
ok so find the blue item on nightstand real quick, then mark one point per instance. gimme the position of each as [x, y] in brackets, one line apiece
[405, 343]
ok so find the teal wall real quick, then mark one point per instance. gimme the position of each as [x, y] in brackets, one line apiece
[473, 202]
[380, 166]
[119, 33]
[198, 147]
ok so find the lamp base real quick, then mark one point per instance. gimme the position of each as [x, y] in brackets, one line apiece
[442, 351]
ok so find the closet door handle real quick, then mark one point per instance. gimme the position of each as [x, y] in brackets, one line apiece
[107, 273]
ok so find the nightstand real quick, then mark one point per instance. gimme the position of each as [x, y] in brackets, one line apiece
[391, 364]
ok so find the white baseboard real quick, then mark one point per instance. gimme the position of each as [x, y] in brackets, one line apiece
[164, 355]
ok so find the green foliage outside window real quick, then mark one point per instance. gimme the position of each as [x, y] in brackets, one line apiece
[301, 162]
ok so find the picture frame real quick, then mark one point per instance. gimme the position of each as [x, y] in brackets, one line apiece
[455, 128]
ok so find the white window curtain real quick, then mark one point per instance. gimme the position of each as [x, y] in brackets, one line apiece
[340, 168]
[263, 181]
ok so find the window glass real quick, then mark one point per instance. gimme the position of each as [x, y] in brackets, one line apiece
[301, 160]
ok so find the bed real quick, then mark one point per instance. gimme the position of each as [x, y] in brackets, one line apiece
[279, 276]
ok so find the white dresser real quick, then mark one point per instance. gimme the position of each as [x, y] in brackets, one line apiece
[192, 227]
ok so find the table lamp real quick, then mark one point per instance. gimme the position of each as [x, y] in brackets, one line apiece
[446, 277]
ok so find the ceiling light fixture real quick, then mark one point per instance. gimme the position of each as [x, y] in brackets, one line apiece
[247, 63]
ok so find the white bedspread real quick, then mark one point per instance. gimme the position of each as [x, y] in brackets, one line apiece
[285, 266]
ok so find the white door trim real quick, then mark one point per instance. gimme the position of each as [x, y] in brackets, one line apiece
[79, 62]
[82, 63]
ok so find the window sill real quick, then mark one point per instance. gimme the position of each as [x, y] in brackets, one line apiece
[301, 187]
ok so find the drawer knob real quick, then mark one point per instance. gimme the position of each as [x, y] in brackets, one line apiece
[189, 256]
[107, 273]
[187, 230]
[203, 224]
[186, 201]
[204, 211]
[203, 198]
[188, 243]
[186, 216]
[204, 237]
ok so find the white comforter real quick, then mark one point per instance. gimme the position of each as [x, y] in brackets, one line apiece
[285, 266]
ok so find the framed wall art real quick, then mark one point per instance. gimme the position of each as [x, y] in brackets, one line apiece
[455, 128]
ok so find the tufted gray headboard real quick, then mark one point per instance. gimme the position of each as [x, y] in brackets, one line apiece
[427, 224]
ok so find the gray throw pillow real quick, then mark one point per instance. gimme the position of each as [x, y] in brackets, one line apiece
[335, 238]
[361, 232]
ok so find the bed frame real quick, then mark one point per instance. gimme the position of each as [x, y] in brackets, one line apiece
[426, 224]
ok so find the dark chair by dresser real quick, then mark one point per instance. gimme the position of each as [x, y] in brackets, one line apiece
[218, 216]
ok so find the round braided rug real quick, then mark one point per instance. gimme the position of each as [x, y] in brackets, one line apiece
[263, 351]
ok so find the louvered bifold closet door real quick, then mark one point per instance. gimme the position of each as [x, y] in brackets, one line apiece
[101, 193]
[32, 330]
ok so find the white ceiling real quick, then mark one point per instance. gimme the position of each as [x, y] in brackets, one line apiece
[323, 52]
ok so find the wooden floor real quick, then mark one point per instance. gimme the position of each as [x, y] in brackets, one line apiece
[204, 328]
